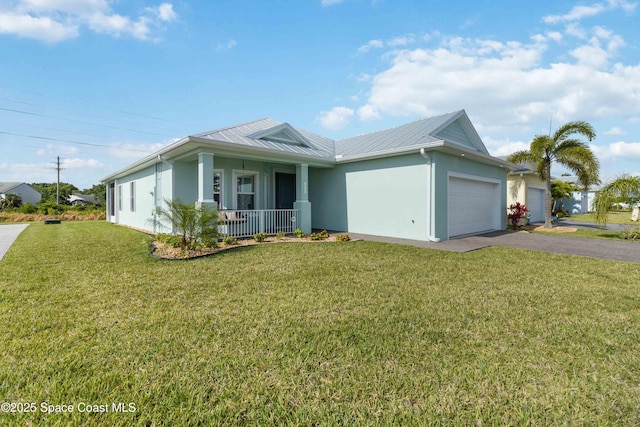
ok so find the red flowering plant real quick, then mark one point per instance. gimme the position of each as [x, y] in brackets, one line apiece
[517, 211]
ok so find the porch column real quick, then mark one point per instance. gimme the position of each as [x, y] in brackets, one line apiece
[205, 178]
[302, 203]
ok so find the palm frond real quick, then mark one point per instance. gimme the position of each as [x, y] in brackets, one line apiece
[624, 186]
[577, 127]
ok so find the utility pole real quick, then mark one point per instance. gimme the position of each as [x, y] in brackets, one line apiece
[58, 183]
[58, 168]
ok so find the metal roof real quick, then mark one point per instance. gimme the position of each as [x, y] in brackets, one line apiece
[264, 137]
[411, 134]
[8, 186]
[245, 135]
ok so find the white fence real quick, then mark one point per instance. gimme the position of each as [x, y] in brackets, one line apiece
[246, 223]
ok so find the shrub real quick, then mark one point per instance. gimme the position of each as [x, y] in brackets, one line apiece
[197, 225]
[298, 233]
[230, 241]
[259, 237]
[342, 238]
[517, 211]
[630, 234]
[168, 239]
[280, 235]
[324, 234]
[28, 208]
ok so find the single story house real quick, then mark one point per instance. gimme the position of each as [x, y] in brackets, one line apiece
[524, 185]
[580, 202]
[77, 199]
[431, 179]
[26, 192]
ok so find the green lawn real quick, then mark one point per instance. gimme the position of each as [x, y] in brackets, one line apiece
[613, 218]
[356, 333]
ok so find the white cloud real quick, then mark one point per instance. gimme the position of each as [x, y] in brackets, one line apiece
[128, 150]
[39, 28]
[229, 44]
[53, 21]
[368, 113]
[615, 131]
[166, 12]
[501, 148]
[617, 150]
[395, 42]
[506, 82]
[580, 12]
[336, 118]
[55, 150]
[371, 44]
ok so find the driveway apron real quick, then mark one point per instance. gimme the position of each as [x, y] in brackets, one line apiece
[8, 234]
[594, 248]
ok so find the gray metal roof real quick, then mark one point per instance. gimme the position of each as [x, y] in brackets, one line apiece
[448, 131]
[312, 145]
[8, 186]
[411, 134]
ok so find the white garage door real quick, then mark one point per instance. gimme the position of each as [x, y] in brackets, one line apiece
[535, 204]
[473, 206]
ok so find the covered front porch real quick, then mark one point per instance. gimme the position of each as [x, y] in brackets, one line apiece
[251, 195]
[246, 223]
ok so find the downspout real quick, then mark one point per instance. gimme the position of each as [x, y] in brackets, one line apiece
[430, 236]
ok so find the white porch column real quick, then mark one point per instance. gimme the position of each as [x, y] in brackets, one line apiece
[302, 203]
[205, 178]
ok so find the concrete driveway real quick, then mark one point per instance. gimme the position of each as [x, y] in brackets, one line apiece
[594, 248]
[8, 234]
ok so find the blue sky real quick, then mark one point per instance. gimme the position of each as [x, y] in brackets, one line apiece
[102, 83]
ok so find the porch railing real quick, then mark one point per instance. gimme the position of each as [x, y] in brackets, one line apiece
[246, 223]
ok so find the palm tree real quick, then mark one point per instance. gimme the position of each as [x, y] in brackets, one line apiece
[565, 150]
[625, 187]
[195, 224]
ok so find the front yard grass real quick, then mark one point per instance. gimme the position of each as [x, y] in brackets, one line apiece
[613, 218]
[360, 333]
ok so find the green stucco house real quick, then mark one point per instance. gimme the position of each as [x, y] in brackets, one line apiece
[431, 179]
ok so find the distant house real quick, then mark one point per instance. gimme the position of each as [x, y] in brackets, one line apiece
[431, 179]
[82, 199]
[25, 191]
[580, 202]
[524, 185]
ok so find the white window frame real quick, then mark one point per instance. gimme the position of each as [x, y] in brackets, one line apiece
[221, 192]
[120, 197]
[256, 186]
[132, 196]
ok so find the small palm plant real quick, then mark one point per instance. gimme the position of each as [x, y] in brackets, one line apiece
[625, 187]
[196, 225]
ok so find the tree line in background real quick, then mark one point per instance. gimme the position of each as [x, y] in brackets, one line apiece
[49, 192]
[48, 204]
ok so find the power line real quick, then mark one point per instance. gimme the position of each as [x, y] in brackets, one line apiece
[93, 105]
[72, 142]
[80, 121]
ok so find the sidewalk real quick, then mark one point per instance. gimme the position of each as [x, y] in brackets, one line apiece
[8, 234]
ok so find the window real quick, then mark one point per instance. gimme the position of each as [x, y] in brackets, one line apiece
[217, 188]
[132, 187]
[245, 190]
[120, 197]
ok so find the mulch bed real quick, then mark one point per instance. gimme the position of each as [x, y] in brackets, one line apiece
[166, 251]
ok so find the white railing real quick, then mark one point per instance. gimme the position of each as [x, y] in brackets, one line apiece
[246, 223]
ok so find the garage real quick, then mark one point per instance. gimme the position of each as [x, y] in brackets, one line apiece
[473, 206]
[535, 204]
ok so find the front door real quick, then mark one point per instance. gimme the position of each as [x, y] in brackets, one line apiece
[285, 190]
